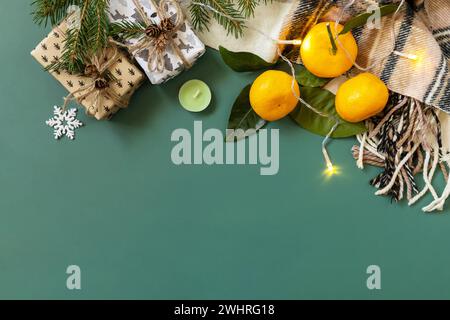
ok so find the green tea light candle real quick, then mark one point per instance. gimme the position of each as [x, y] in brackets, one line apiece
[195, 96]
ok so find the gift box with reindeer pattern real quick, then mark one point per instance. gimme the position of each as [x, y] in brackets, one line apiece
[183, 47]
[127, 77]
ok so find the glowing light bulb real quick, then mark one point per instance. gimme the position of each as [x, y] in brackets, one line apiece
[410, 56]
[331, 170]
[296, 42]
[330, 167]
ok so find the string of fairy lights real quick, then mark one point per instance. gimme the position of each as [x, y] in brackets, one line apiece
[331, 169]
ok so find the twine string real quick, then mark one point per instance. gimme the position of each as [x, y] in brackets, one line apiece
[100, 88]
[157, 38]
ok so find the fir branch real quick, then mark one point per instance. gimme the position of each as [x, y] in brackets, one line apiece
[247, 7]
[225, 13]
[76, 46]
[200, 15]
[98, 23]
[52, 11]
[231, 14]
[127, 29]
[81, 42]
[233, 23]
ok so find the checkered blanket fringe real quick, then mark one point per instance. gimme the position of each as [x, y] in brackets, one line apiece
[406, 141]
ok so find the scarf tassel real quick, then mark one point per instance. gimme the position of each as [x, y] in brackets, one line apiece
[405, 141]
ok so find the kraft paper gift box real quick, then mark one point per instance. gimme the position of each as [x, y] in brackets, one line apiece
[127, 76]
[189, 45]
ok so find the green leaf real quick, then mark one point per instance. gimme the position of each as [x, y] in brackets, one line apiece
[243, 117]
[307, 79]
[362, 19]
[243, 61]
[323, 100]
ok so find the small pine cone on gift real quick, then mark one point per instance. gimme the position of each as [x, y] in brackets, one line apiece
[101, 83]
[153, 31]
[162, 31]
[167, 25]
[91, 71]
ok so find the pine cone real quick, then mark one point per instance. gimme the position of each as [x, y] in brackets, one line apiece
[167, 25]
[91, 71]
[153, 31]
[101, 84]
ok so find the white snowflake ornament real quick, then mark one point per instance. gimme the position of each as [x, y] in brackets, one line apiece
[64, 123]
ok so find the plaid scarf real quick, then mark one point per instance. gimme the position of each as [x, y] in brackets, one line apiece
[406, 139]
[422, 28]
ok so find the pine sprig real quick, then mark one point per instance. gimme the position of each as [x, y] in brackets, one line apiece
[98, 24]
[200, 16]
[127, 29]
[83, 41]
[52, 11]
[230, 14]
[234, 25]
[247, 7]
[225, 13]
[77, 39]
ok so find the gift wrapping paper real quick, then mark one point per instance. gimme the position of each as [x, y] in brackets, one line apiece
[128, 76]
[185, 39]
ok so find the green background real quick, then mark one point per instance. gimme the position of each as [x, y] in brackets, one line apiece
[140, 227]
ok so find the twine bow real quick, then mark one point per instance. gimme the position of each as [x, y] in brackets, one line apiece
[158, 37]
[100, 88]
